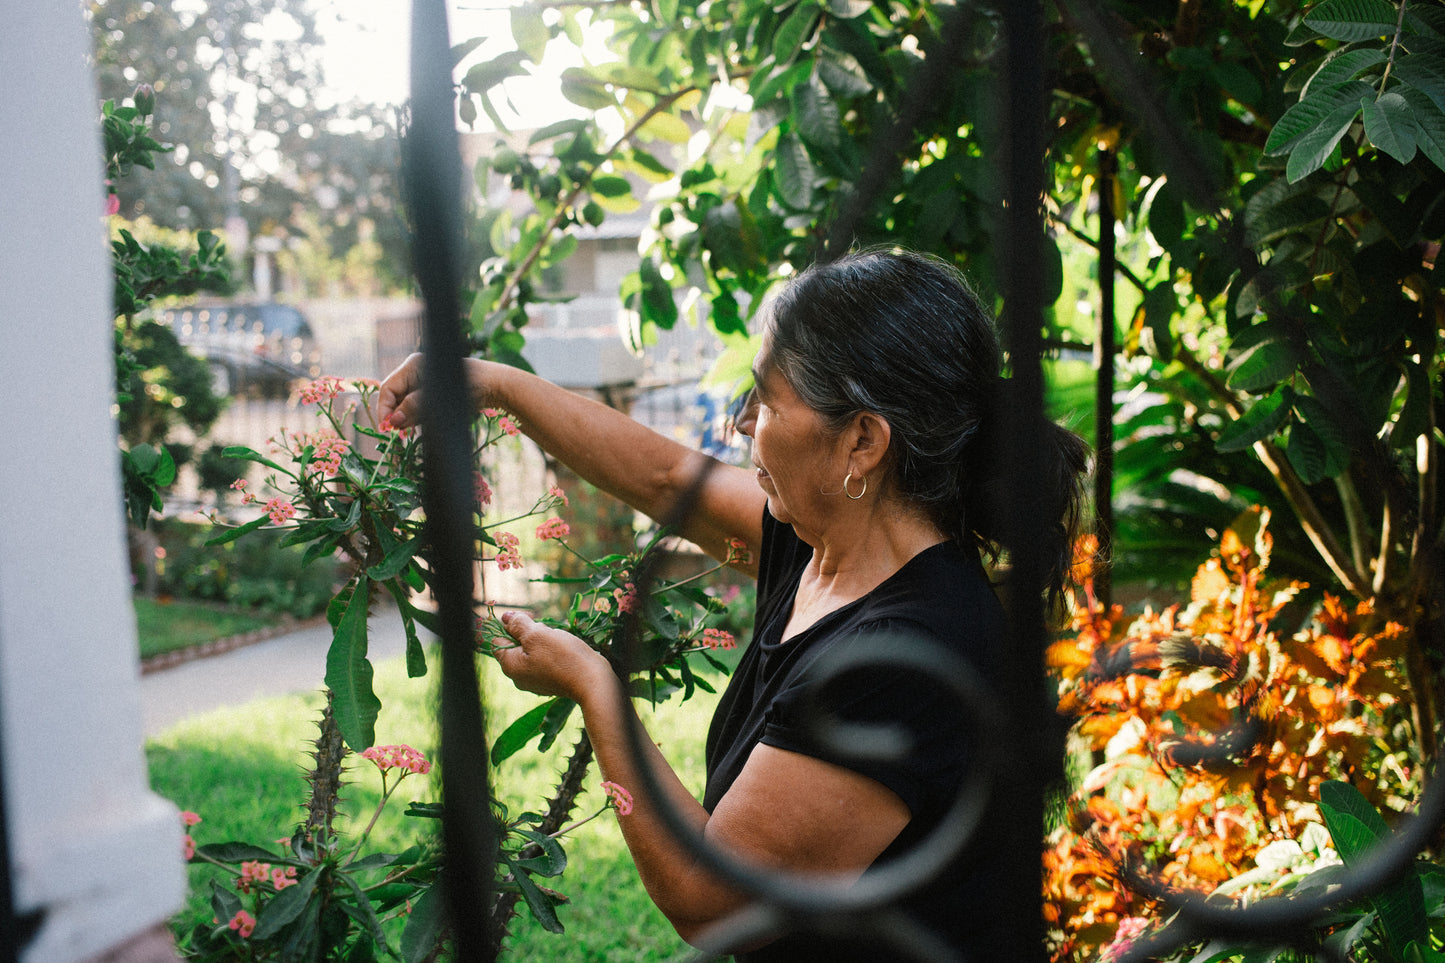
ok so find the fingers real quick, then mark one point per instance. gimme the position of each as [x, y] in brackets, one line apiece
[398, 399]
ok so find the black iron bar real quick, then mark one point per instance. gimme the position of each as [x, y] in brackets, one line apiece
[432, 179]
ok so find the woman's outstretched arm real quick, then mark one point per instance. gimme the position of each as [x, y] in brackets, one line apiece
[630, 461]
[786, 810]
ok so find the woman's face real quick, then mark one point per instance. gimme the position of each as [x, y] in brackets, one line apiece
[797, 460]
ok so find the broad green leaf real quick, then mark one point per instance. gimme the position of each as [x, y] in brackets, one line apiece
[656, 303]
[561, 127]
[516, 735]
[767, 86]
[1326, 430]
[361, 909]
[1340, 801]
[484, 76]
[794, 30]
[610, 185]
[1262, 366]
[667, 127]
[1352, 20]
[1344, 66]
[235, 853]
[794, 170]
[1265, 417]
[553, 859]
[666, 10]
[1425, 73]
[542, 906]
[1314, 149]
[396, 560]
[585, 91]
[842, 74]
[242, 452]
[815, 114]
[286, 906]
[1414, 416]
[556, 718]
[231, 534]
[848, 9]
[1306, 452]
[530, 31]
[1314, 112]
[423, 925]
[1390, 126]
[349, 673]
[1429, 125]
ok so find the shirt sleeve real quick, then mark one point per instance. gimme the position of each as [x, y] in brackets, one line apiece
[899, 726]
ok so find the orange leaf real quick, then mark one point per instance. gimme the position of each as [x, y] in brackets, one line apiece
[1210, 582]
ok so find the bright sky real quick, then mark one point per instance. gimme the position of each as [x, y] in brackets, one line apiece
[367, 53]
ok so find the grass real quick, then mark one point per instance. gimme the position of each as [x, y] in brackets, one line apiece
[178, 624]
[240, 769]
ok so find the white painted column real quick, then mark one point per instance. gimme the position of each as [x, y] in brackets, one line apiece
[91, 847]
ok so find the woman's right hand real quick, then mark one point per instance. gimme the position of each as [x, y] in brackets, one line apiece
[400, 396]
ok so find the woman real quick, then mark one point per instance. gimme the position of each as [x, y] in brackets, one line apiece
[872, 496]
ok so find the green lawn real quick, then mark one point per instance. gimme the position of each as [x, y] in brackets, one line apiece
[240, 769]
[178, 624]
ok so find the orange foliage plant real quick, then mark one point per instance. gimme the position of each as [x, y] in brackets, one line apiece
[1201, 733]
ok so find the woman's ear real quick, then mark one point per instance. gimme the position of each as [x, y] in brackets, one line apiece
[870, 434]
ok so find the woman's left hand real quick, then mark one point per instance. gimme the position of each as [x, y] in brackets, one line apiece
[549, 661]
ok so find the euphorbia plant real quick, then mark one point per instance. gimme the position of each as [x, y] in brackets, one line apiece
[353, 486]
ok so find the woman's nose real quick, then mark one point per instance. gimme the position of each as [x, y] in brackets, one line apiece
[748, 417]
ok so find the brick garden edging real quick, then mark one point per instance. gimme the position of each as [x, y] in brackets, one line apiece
[169, 660]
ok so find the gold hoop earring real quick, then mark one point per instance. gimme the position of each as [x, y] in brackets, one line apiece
[850, 494]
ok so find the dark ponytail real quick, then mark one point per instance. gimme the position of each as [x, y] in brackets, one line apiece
[902, 335]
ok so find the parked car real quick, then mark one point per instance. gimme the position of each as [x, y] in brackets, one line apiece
[250, 348]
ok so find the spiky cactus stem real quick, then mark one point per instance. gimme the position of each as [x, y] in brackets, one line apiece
[559, 808]
[324, 778]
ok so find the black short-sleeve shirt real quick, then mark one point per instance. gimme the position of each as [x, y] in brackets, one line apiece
[940, 598]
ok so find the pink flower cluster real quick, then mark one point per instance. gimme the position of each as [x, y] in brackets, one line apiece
[718, 639]
[553, 528]
[1130, 929]
[504, 420]
[507, 555]
[557, 494]
[188, 846]
[397, 757]
[327, 450]
[280, 510]
[738, 552]
[620, 797]
[243, 923]
[626, 598]
[322, 389]
[239, 485]
[255, 872]
[484, 492]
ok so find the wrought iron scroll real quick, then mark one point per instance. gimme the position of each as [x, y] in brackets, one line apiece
[432, 178]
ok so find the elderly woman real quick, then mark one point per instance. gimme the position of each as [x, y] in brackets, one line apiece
[872, 496]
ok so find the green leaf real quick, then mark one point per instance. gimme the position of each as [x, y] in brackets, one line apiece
[1315, 111]
[557, 717]
[1352, 20]
[231, 534]
[484, 76]
[610, 185]
[349, 674]
[657, 305]
[235, 853]
[794, 30]
[1390, 126]
[1343, 66]
[246, 454]
[286, 906]
[815, 114]
[1262, 366]
[1429, 125]
[1306, 452]
[396, 560]
[424, 925]
[553, 860]
[794, 170]
[516, 735]
[530, 31]
[1414, 417]
[1263, 419]
[543, 907]
[1425, 73]
[362, 910]
[1326, 429]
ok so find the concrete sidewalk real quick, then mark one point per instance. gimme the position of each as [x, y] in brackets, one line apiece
[287, 663]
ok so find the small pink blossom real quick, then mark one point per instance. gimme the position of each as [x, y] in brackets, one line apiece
[189, 818]
[253, 871]
[484, 491]
[387, 425]
[718, 639]
[508, 426]
[620, 797]
[603, 605]
[738, 552]
[626, 598]
[553, 528]
[397, 757]
[283, 877]
[1130, 929]
[322, 389]
[280, 510]
[507, 555]
[112, 205]
[188, 847]
[243, 923]
[557, 494]
[327, 449]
